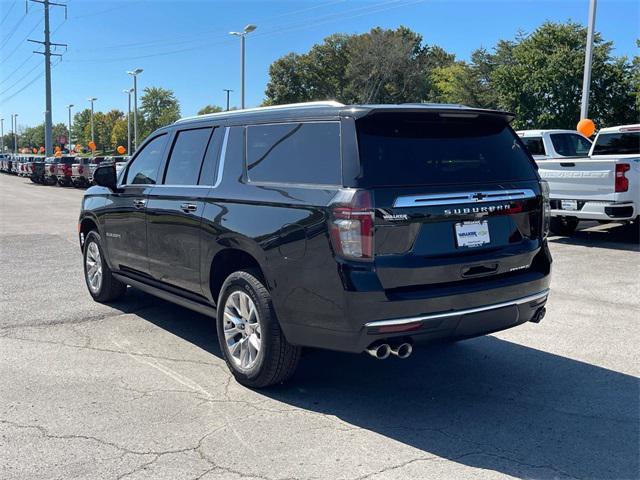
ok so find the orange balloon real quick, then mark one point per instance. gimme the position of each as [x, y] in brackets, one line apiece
[78, 147]
[41, 149]
[34, 150]
[586, 127]
[92, 145]
[121, 149]
[58, 153]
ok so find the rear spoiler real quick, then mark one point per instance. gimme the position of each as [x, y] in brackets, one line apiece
[443, 110]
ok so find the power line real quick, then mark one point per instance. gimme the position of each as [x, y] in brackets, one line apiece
[17, 69]
[37, 77]
[20, 42]
[8, 12]
[10, 34]
[361, 11]
[19, 80]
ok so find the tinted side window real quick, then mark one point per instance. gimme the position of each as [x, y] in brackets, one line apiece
[534, 145]
[617, 143]
[144, 167]
[570, 144]
[186, 156]
[295, 153]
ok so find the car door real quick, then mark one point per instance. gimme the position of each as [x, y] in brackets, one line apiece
[175, 207]
[125, 228]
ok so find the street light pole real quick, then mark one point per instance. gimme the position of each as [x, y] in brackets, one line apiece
[227, 92]
[1, 135]
[248, 29]
[128, 92]
[69, 139]
[135, 74]
[15, 133]
[92, 99]
[586, 79]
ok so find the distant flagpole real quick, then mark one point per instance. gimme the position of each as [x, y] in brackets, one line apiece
[586, 79]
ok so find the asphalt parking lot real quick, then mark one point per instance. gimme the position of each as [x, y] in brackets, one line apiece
[139, 389]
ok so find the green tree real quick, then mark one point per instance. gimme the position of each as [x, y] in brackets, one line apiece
[119, 133]
[209, 109]
[381, 66]
[159, 108]
[539, 78]
[79, 132]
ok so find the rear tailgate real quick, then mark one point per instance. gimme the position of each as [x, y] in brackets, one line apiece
[456, 199]
[580, 179]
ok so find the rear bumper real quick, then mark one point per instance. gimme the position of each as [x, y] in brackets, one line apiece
[598, 210]
[434, 318]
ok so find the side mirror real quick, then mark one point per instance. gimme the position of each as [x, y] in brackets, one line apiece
[105, 176]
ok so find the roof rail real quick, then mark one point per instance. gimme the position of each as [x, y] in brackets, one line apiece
[324, 103]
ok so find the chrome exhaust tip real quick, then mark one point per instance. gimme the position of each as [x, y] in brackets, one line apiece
[403, 350]
[381, 351]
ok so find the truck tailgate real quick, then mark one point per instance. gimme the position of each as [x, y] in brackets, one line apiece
[580, 178]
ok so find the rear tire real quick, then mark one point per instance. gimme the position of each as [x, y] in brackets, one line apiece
[101, 283]
[563, 225]
[246, 319]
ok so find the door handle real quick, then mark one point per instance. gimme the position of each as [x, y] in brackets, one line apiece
[188, 207]
[139, 203]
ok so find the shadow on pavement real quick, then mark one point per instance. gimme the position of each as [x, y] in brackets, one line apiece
[614, 236]
[485, 403]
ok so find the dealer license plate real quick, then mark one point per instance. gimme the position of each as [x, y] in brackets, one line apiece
[569, 204]
[472, 234]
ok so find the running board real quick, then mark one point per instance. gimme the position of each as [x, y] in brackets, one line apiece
[170, 297]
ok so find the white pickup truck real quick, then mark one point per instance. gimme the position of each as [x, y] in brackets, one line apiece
[599, 181]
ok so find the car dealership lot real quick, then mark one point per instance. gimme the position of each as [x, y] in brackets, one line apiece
[139, 390]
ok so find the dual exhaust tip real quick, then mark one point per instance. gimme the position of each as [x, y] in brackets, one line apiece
[382, 350]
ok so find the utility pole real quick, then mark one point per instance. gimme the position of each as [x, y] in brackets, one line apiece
[15, 133]
[128, 92]
[248, 29]
[69, 107]
[92, 99]
[48, 141]
[1, 135]
[586, 79]
[134, 74]
[227, 91]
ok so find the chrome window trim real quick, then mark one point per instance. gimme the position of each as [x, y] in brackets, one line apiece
[495, 306]
[462, 197]
[223, 156]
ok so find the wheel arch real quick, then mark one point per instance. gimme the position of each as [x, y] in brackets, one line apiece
[227, 261]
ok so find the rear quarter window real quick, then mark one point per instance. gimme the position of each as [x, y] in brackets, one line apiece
[570, 144]
[302, 153]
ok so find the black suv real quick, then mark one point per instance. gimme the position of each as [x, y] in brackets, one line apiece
[353, 228]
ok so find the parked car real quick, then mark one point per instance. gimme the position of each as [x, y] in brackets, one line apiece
[18, 165]
[37, 170]
[93, 164]
[63, 170]
[50, 170]
[352, 228]
[4, 162]
[80, 171]
[602, 185]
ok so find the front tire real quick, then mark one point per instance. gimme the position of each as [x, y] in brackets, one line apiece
[563, 225]
[250, 337]
[102, 285]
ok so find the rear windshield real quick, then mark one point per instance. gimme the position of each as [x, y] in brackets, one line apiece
[617, 143]
[534, 145]
[427, 149]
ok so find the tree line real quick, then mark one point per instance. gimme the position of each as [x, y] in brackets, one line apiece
[537, 76]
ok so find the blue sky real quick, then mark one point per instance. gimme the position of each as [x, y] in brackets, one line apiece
[185, 46]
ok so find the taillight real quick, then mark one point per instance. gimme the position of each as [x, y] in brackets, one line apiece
[52, 168]
[622, 182]
[546, 208]
[351, 225]
[80, 169]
